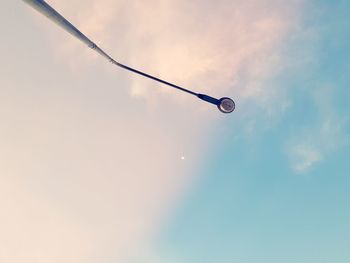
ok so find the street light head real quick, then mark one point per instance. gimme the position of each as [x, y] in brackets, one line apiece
[226, 105]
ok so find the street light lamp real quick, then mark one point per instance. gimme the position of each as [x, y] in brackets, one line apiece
[225, 105]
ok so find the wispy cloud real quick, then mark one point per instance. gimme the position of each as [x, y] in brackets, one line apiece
[222, 47]
[304, 156]
[314, 143]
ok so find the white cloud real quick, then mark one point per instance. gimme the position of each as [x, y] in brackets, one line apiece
[305, 157]
[319, 140]
[222, 47]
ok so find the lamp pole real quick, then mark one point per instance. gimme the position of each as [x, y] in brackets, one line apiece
[225, 105]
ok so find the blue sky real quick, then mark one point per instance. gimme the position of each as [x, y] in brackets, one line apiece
[91, 165]
[251, 205]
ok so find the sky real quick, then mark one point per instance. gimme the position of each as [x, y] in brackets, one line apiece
[99, 165]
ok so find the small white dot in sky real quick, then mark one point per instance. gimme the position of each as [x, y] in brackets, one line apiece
[182, 157]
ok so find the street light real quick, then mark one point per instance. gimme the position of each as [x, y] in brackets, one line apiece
[225, 105]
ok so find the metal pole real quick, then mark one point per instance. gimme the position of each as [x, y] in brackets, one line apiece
[225, 105]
